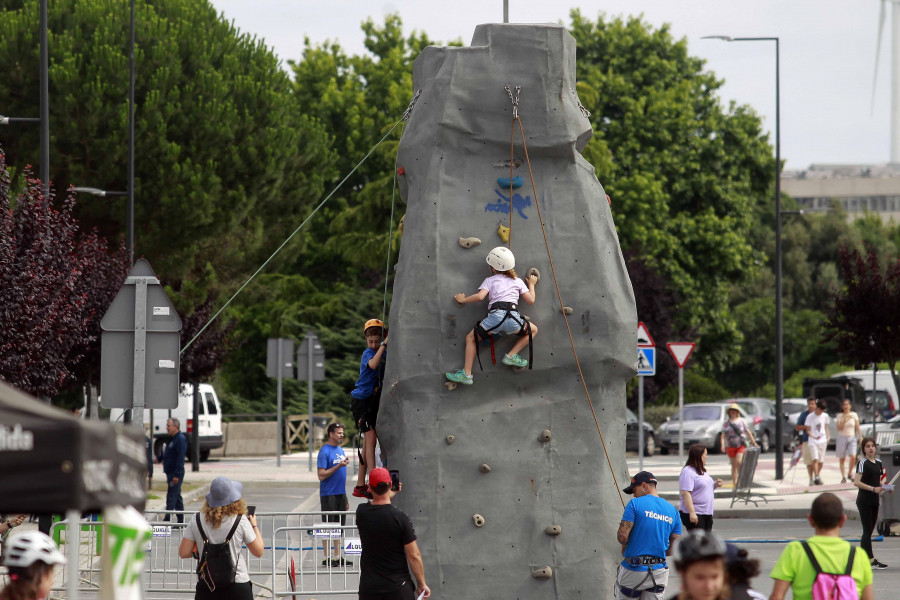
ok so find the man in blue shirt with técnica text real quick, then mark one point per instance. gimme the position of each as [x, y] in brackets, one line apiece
[647, 532]
[332, 469]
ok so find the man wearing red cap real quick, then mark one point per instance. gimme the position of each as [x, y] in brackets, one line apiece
[389, 549]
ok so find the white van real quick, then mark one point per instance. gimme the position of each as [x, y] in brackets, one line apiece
[886, 397]
[210, 420]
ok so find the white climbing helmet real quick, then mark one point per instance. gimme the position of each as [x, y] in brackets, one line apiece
[501, 258]
[29, 547]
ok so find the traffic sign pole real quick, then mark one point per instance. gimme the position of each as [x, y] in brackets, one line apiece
[646, 366]
[640, 422]
[310, 342]
[140, 350]
[680, 351]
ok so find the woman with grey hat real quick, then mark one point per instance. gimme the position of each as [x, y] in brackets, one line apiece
[224, 514]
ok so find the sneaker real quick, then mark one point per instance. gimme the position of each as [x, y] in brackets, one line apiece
[812, 482]
[878, 565]
[819, 481]
[461, 377]
[335, 562]
[514, 361]
[326, 562]
[843, 480]
[361, 491]
[346, 563]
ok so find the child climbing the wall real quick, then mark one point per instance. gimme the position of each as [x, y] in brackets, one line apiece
[366, 397]
[503, 290]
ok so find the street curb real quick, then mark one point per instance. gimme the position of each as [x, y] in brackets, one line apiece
[160, 503]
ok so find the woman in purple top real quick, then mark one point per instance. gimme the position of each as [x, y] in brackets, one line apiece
[697, 490]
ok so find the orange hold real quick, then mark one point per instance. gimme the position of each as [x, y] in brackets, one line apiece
[400, 171]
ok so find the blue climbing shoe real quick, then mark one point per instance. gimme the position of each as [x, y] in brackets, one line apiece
[514, 361]
[460, 377]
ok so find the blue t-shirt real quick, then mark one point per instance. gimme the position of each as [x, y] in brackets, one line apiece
[801, 420]
[336, 484]
[368, 378]
[655, 520]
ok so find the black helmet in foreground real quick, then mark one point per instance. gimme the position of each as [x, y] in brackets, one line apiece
[698, 545]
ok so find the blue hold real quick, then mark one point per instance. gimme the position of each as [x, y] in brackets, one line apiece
[503, 182]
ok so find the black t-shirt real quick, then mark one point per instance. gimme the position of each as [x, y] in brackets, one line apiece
[871, 475]
[384, 530]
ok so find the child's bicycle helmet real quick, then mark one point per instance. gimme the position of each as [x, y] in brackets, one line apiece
[27, 548]
[373, 323]
[501, 258]
[698, 545]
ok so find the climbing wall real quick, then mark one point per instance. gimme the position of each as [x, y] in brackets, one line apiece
[507, 481]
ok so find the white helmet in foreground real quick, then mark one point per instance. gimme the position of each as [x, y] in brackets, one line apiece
[27, 548]
[501, 258]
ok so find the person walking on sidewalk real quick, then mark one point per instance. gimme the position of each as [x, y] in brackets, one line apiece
[817, 427]
[332, 469]
[796, 571]
[389, 548]
[869, 472]
[847, 439]
[649, 528]
[172, 460]
[735, 434]
[804, 439]
[697, 489]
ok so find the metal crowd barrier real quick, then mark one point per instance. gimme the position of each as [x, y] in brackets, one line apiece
[291, 564]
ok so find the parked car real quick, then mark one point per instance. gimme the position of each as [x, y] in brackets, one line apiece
[792, 407]
[631, 435]
[702, 425]
[761, 412]
[887, 400]
[888, 433]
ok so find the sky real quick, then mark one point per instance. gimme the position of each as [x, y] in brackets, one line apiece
[827, 57]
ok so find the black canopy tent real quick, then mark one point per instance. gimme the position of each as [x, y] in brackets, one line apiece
[53, 462]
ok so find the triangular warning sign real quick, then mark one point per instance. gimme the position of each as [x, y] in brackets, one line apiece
[643, 337]
[680, 351]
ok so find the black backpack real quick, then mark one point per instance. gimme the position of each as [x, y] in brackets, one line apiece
[216, 568]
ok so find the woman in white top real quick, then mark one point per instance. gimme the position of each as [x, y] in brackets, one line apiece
[223, 505]
[697, 490]
[848, 439]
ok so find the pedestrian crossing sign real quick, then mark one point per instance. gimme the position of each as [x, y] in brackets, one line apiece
[646, 362]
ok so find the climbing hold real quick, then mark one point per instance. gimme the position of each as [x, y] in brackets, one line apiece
[503, 232]
[401, 171]
[542, 573]
[553, 529]
[469, 242]
[485, 468]
[451, 326]
[450, 385]
[535, 272]
[608, 200]
[400, 226]
[506, 183]
[451, 438]
[478, 519]
[504, 164]
[585, 321]
[545, 436]
[567, 310]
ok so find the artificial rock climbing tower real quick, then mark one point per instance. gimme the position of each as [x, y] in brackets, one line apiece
[506, 481]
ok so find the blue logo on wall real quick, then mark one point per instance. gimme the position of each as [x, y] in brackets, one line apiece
[502, 204]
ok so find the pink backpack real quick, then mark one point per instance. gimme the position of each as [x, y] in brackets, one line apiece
[833, 586]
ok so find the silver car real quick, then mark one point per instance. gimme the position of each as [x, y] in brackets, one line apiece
[703, 423]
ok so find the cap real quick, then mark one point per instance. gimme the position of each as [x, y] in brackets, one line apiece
[642, 477]
[379, 475]
[223, 491]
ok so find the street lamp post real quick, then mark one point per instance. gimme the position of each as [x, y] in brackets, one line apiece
[779, 331]
[7, 120]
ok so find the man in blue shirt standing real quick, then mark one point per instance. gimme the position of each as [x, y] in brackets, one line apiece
[172, 460]
[649, 528]
[801, 427]
[332, 469]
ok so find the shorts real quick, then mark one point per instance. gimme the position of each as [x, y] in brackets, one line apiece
[704, 522]
[641, 580]
[405, 592]
[845, 446]
[817, 451]
[365, 411]
[807, 457]
[732, 452]
[511, 325]
[334, 503]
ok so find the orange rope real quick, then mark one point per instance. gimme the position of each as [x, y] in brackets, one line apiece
[559, 297]
[512, 164]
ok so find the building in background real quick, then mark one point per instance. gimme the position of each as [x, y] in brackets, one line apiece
[858, 189]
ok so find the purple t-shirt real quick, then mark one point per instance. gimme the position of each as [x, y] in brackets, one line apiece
[503, 289]
[701, 487]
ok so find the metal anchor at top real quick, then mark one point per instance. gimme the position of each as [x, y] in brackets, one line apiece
[514, 99]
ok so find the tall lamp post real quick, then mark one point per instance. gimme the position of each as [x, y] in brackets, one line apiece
[779, 331]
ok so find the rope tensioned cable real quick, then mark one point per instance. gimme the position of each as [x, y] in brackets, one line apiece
[587, 393]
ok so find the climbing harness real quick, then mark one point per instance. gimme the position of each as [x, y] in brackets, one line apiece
[514, 99]
[511, 309]
[635, 592]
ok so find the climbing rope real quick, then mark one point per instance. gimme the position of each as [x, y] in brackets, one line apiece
[306, 220]
[515, 101]
[390, 234]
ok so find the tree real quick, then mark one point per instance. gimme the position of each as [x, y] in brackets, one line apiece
[207, 350]
[227, 163]
[863, 318]
[47, 310]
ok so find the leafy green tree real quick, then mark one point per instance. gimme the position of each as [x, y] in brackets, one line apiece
[226, 161]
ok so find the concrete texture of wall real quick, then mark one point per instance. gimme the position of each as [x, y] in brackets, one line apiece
[482, 449]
